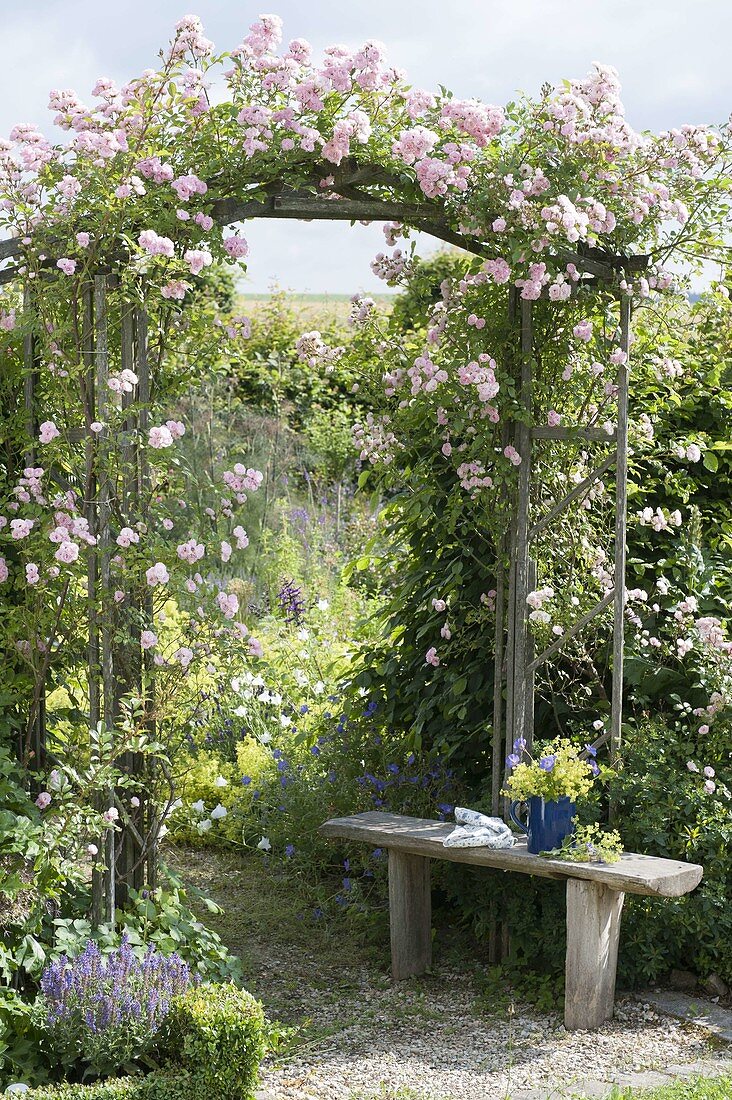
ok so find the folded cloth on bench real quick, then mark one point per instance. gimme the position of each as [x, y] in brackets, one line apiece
[475, 830]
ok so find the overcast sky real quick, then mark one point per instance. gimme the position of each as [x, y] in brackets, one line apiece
[673, 57]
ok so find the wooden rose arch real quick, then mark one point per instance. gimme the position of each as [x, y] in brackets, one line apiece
[359, 193]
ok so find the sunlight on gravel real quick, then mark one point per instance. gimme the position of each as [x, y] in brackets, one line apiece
[437, 1045]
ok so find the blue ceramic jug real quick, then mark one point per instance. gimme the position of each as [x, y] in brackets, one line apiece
[548, 822]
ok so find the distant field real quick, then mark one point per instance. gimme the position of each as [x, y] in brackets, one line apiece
[321, 307]
[316, 297]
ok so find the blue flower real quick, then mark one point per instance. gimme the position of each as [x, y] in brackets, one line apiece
[513, 760]
[519, 744]
[290, 851]
[393, 768]
[315, 750]
[246, 780]
[591, 750]
[547, 763]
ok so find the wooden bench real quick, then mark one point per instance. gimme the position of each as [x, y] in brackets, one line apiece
[595, 894]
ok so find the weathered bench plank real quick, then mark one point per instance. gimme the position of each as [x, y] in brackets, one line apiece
[634, 874]
[595, 895]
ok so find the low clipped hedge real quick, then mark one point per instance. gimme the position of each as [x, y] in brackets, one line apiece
[212, 1042]
[164, 1084]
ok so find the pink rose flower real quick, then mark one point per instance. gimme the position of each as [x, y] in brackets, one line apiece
[67, 552]
[157, 574]
[48, 431]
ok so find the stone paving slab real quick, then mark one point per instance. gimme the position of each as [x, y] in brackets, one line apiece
[705, 1014]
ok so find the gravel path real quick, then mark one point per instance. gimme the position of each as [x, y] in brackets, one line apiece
[435, 1041]
[442, 1037]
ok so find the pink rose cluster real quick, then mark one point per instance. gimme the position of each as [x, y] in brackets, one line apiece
[242, 479]
[165, 435]
[154, 244]
[312, 349]
[191, 551]
[187, 186]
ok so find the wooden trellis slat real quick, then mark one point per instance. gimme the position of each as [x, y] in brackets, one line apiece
[35, 739]
[572, 632]
[621, 519]
[101, 351]
[522, 724]
[144, 394]
[579, 491]
[572, 432]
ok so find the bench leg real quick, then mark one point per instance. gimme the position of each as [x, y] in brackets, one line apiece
[593, 929]
[410, 914]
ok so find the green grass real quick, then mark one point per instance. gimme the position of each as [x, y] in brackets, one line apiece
[708, 1088]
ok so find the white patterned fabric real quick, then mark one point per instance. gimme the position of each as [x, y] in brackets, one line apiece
[475, 830]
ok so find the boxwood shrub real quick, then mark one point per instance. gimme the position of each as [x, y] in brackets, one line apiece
[217, 1034]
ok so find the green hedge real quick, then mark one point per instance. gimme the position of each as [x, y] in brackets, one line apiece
[212, 1041]
[164, 1084]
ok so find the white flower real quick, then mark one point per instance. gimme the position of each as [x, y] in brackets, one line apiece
[322, 605]
[539, 616]
[265, 737]
[16, 1089]
[204, 826]
[303, 635]
[199, 806]
[218, 812]
[285, 720]
[240, 712]
[318, 688]
[221, 781]
[276, 699]
[264, 844]
[235, 684]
